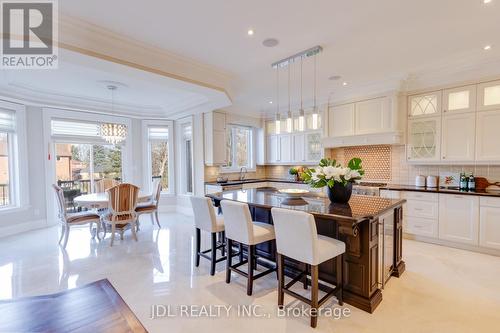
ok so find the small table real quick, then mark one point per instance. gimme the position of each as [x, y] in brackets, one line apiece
[100, 200]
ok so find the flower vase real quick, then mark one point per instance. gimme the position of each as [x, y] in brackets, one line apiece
[340, 193]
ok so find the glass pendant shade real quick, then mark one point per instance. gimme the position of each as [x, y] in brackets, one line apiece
[113, 133]
[289, 123]
[315, 119]
[277, 126]
[301, 120]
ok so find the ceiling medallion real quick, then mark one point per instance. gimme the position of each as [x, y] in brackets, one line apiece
[111, 132]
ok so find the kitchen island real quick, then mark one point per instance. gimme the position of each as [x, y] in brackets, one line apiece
[371, 228]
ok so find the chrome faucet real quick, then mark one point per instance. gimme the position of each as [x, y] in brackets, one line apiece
[243, 174]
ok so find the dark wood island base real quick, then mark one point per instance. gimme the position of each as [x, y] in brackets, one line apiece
[371, 228]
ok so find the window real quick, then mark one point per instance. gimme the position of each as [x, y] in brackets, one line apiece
[7, 132]
[187, 158]
[239, 148]
[158, 148]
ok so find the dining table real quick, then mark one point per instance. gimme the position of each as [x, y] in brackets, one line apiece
[100, 200]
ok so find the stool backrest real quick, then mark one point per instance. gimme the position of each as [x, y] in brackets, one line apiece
[237, 221]
[296, 234]
[204, 214]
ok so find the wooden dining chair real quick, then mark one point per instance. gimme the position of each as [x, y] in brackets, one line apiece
[68, 220]
[151, 207]
[102, 185]
[122, 202]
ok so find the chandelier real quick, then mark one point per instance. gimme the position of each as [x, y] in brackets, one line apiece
[111, 132]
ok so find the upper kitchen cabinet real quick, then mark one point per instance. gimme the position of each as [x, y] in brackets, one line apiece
[428, 104]
[424, 138]
[458, 137]
[314, 147]
[299, 147]
[285, 148]
[488, 96]
[215, 138]
[459, 100]
[487, 147]
[341, 120]
[373, 116]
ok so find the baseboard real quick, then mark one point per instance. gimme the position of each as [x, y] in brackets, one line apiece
[22, 227]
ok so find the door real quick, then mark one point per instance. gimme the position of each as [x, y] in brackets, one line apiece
[489, 230]
[459, 100]
[285, 148]
[341, 120]
[459, 218]
[272, 149]
[424, 138]
[314, 147]
[373, 116]
[299, 148]
[428, 104]
[458, 139]
[488, 96]
[487, 129]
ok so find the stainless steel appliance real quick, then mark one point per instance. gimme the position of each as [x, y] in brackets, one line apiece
[367, 188]
[386, 247]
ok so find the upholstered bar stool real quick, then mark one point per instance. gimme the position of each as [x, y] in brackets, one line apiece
[206, 220]
[241, 228]
[297, 238]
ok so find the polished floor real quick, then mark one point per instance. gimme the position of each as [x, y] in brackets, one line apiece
[442, 290]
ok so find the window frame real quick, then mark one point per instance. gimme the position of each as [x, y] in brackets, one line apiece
[147, 163]
[18, 172]
[252, 151]
[181, 156]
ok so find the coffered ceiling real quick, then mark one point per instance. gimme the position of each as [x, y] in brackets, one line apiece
[372, 45]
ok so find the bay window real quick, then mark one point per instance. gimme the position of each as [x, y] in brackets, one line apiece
[158, 150]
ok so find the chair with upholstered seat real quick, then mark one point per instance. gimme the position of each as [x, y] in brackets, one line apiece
[297, 238]
[205, 219]
[241, 228]
[68, 220]
[102, 185]
[151, 207]
[122, 202]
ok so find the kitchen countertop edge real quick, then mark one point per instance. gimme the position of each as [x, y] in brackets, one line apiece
[442, 190]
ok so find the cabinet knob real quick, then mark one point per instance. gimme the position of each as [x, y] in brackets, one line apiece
[444, 157]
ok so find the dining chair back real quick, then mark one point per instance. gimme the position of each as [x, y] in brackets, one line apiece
[61, 202]
[102, 185]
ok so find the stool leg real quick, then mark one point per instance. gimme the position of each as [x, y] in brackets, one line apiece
[251, 264]
[229, 244]
[304, 280]
[198, 244]
[214, 253]
[314, 295]
[254, 255]
[281, 280]
[240, 248]
[340, 280]
[222, 237]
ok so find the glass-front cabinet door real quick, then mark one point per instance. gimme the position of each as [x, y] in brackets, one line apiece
[459, 100]
[424, 136]
[428, 104]
[488, 96]
[314, 147]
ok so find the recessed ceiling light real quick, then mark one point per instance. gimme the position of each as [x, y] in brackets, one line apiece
[335, 77]
[486, 1]
[270, 42]
[344, 84]
[250, 32]
[487, 47]
[270, 102]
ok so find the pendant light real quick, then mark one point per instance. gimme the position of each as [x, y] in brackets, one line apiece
[277, 127]
[301, 111]
[111, 132]
[289, 119]
[315, 109]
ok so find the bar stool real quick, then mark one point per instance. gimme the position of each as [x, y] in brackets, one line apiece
[297, 238]
[205, 219]
[241, 228]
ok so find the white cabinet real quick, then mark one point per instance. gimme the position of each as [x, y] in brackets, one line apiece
[341, 120]
[489, 231]
[299, 147]
[488, 96]
[272, 149]
[420, 226]
[461, 99]
[285, 148]
[459, 218]
[428, 104]
[314, 147]
[488, 126]
[421, 214]
[458, 138]
[373, 116]
[215, 138]
[424, 137]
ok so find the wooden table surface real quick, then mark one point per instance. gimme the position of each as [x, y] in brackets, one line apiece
[96, 307]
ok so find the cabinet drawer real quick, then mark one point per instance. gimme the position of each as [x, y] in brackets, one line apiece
[421, 226]
[425, 209]
[421, 196]
[489, 202]
[390, 194]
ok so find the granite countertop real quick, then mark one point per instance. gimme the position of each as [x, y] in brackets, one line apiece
[257, 180]
[445, 190]
[359, 208]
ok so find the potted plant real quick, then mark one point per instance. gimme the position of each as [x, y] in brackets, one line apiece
[339, 179]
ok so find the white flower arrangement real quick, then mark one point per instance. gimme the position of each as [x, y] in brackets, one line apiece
[330, 172]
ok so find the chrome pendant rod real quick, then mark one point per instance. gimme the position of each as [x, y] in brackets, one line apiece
[301, 55]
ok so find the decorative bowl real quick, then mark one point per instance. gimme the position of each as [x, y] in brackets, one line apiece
[293, 193]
